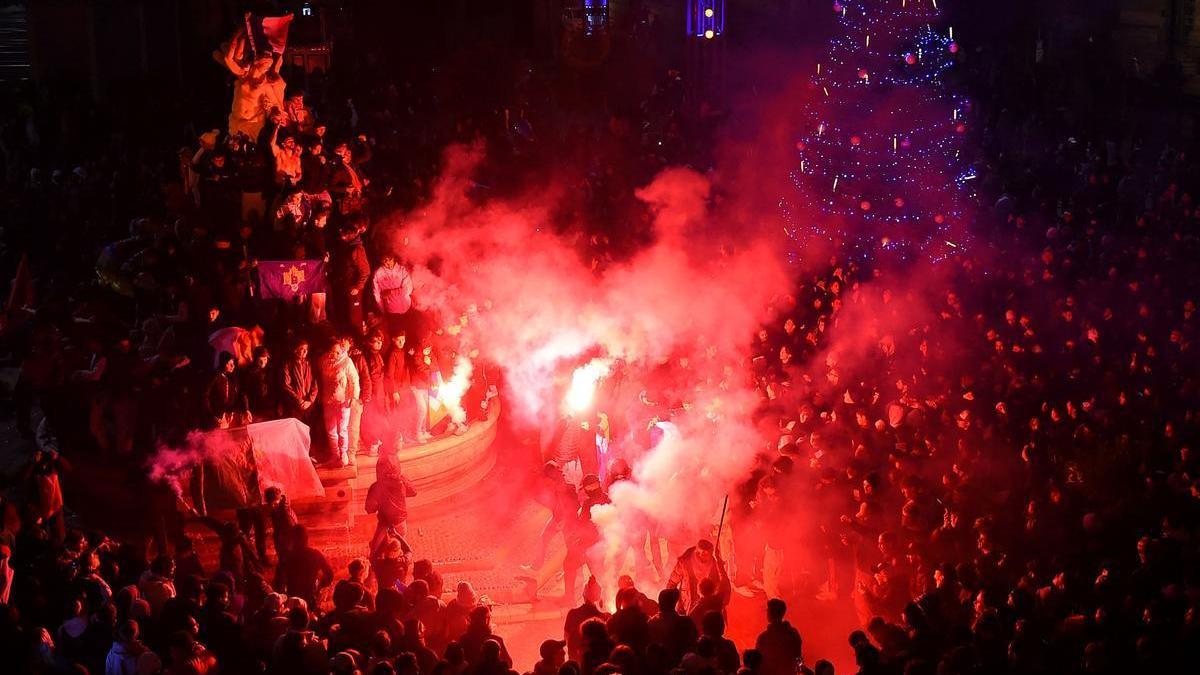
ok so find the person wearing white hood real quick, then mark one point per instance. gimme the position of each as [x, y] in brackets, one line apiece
[339, 389]
[393, 287]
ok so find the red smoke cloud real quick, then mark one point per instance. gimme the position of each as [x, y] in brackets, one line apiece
[678, 315]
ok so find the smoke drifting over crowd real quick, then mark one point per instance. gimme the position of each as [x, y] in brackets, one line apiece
[677, 315]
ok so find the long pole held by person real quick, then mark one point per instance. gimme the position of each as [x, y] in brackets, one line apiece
[721, 524]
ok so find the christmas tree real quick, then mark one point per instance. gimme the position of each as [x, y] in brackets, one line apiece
[880, 163]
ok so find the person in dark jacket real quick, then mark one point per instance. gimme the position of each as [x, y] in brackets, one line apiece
[223, 396]
[259, 386]
[713, 627]
[780, 643]
[589, 609]
[347, 184]
[714, 597]
[377, 428]
[314, 170]
[350, 274]
[237, 555]
[299, 384]
[671, 629]
[479, 631]
[390, 561]
[283, 520]
[629, 625]
[365, 436]
[397, 388]
[387, 498]
[306, 571]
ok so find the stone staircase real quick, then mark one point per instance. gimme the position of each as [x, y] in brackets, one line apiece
[446, 473]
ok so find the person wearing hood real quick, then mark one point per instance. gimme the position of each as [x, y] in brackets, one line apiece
[339, 390]
[388, 499]
[127, 649]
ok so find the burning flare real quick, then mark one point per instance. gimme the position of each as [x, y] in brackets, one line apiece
[583, 385]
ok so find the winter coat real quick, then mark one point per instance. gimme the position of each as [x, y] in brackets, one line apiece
[370, 373]
[393, 289]
[223, 396]
[350, 267]
[388, 497]
[339, 380]
[397, 373]
[299, 385]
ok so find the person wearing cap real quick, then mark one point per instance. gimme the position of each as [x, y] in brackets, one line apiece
[553, 656]
[589, 609]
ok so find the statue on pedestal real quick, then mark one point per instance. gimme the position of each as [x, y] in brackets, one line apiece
[259, 89]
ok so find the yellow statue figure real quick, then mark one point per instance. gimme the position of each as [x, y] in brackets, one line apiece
[258, 91]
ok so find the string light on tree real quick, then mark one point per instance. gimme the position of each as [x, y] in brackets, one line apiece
[880, 150]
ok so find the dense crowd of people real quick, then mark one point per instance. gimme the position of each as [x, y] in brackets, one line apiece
[992, 455]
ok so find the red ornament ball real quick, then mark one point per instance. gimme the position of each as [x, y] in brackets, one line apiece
[800, 145]
[939, 219]
[855, 140]
[837, 7]
[864, 205]
[862, 74]
[960, 128]
[910, 59]
[905, 143]
[899, 202]
[953, 47]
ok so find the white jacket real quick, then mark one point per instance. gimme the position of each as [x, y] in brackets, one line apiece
[339, 380]
[393, 289]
